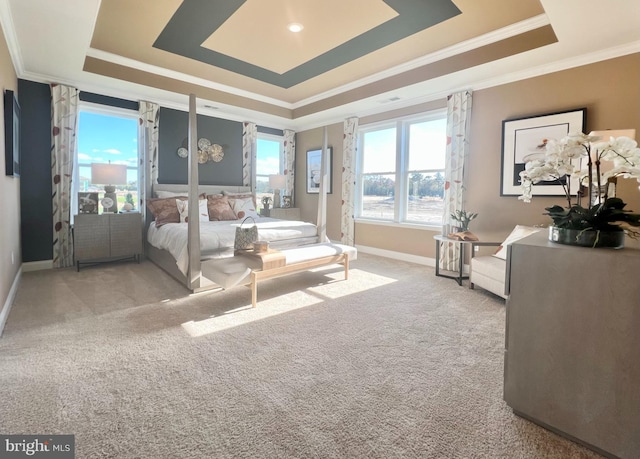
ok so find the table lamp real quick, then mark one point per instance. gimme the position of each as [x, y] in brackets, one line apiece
[109, 175]
[277, 182]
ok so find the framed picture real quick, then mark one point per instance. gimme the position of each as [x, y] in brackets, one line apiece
[11, 134]
[314, 158]
[88, 203]
[524, 139]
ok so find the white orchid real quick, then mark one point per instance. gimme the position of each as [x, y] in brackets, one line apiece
[562, 156]
[560, 161]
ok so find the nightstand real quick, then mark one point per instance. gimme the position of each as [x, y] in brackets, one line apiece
[107, 237]
[285, 213]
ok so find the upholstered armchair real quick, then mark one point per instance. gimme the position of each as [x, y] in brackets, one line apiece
[490, 271]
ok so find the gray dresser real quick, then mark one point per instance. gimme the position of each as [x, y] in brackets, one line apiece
[572, 357]
[107, 237]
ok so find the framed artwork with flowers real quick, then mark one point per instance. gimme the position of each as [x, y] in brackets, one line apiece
[525, 139]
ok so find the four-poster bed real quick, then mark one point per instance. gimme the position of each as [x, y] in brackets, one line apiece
[182, 248]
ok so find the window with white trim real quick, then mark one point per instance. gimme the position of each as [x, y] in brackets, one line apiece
[401, 170]
[269, 160]
[106, 135]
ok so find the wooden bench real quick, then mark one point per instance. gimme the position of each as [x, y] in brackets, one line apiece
[256, 267]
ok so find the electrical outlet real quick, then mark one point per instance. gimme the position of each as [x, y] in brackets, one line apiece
[476, 248]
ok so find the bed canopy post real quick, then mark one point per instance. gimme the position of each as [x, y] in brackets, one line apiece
[193, 222]
[322, 192]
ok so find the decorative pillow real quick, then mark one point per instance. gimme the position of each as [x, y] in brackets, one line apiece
[241, 195]
[183, 209]
[172, 194]
[165, 210]
[169, 194]
[219, 208]
[518, 233]
[244, 207]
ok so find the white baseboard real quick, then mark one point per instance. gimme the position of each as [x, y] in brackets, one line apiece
[37, 265]
[398, 255]
[4, 313]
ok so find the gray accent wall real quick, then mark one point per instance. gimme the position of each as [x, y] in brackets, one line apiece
[35, 180]
[174, 129]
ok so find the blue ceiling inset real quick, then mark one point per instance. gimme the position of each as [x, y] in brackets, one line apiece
[196, 20]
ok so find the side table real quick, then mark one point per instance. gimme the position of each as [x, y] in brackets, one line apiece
[459, 277]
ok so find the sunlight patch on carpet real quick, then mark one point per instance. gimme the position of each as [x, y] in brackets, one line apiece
[270, 306]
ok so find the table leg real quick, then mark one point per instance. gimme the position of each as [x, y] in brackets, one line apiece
[461, 247]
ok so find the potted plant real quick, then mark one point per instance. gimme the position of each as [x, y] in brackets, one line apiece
[463, 218]
[603, 220]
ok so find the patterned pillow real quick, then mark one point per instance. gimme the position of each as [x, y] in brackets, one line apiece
[244, 207]
[219, 208]
[241, 195]
[165, 210]
[183, 209]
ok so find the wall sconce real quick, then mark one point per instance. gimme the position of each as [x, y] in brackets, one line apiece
[277, 182]
[109, 175]
[207, 151]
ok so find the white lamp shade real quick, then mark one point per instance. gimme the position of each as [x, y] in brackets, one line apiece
[277, 181]
[108, 174]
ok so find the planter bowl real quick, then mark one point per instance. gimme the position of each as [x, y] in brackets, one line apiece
[588, 238]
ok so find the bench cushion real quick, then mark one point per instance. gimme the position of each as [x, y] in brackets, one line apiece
[230, 271]
[313, 251]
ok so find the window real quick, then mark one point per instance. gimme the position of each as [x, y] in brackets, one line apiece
[106, 135]
[403, 158]
[269, 160]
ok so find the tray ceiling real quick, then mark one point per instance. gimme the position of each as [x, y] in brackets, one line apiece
[239, 57]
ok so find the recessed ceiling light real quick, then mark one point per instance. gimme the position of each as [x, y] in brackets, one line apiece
[295, 27]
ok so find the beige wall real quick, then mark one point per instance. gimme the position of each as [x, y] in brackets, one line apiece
[308, 203]
[9, 195]
[610, 92]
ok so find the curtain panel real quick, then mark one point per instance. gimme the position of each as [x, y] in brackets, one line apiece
[249, 139]
[148, 132]
[64, 126]
[458, 126]
[290, 163]
[349, 149]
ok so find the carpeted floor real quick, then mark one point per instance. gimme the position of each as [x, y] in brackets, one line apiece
[393, 363]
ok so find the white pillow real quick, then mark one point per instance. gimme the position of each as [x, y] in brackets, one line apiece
[183, 209]
[518, 233]
[169, 194]
[244, 207]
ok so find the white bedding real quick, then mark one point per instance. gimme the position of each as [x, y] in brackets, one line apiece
[218, 236]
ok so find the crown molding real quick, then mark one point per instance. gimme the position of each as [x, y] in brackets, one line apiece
[149, 68]
[6, 19]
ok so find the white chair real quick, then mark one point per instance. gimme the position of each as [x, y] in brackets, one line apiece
[490, 271]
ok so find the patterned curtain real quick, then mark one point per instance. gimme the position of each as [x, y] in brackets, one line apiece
[249, 139]
[148, 131]
[458, 125]
[349, 145]
[64, 125]
[290, 162]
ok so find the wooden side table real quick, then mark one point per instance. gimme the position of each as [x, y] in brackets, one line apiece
[459, 277]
